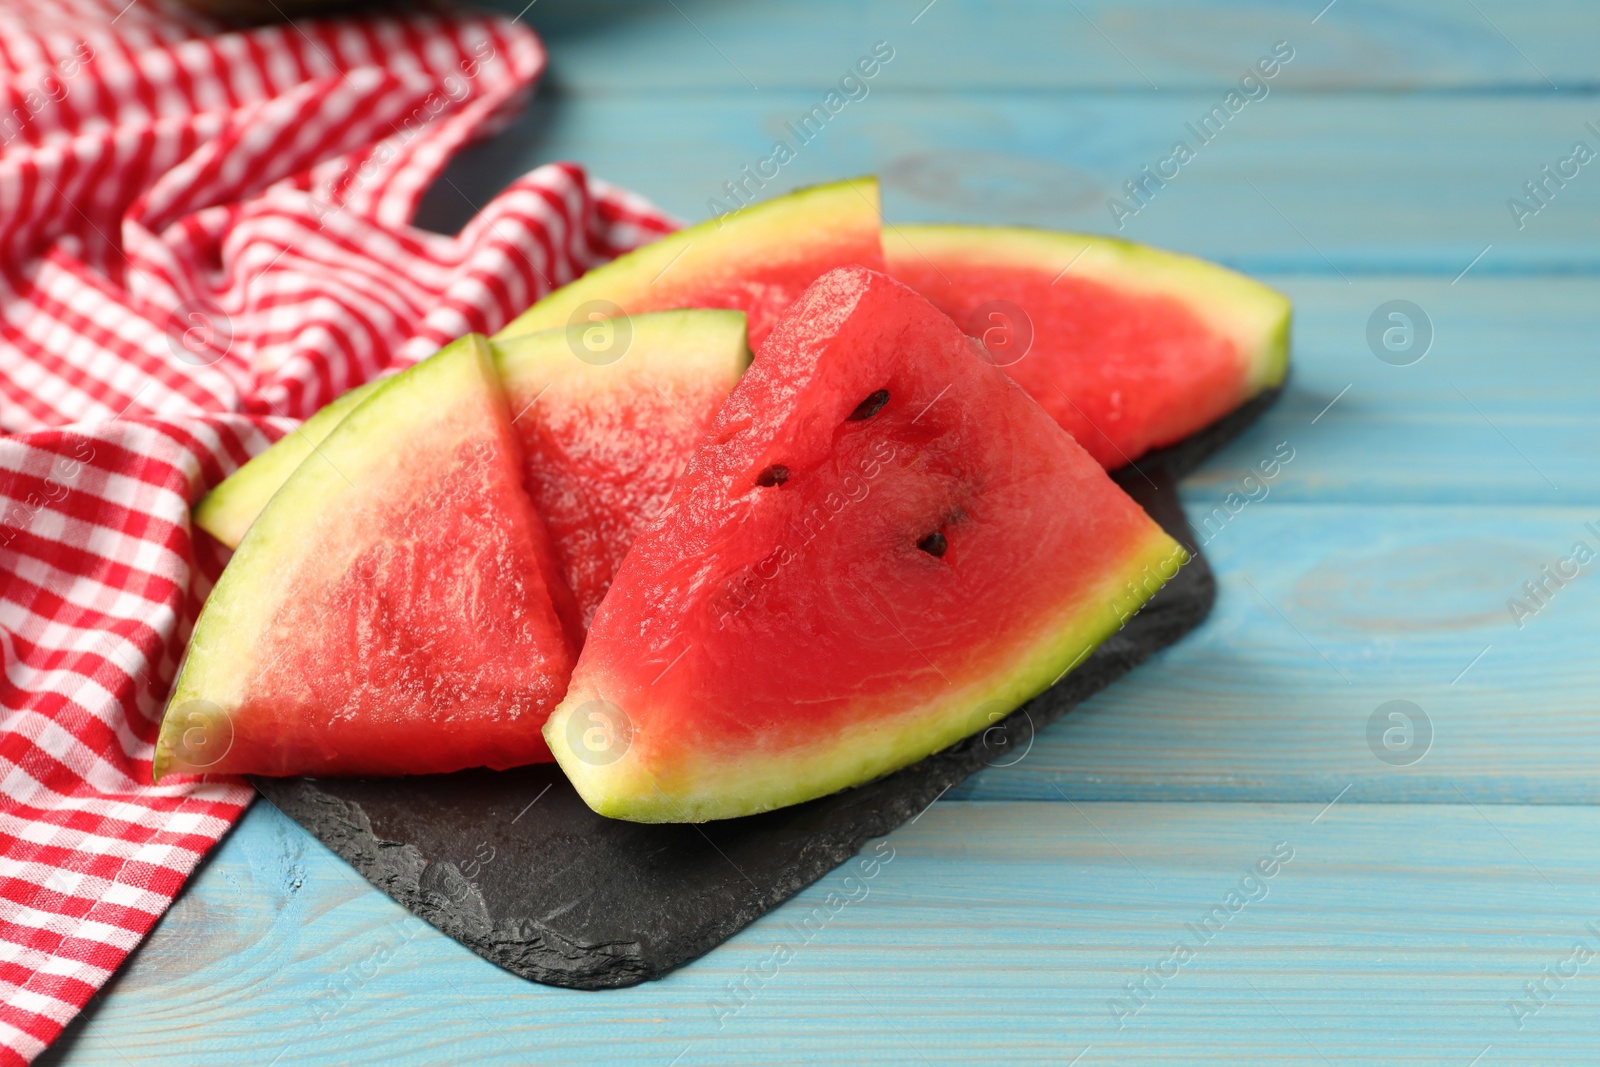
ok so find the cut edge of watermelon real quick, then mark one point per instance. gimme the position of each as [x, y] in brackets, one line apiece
[233, 616]
[1254, 316]
[784, 222]
[688, 343]
[228, 510]
[629, 791]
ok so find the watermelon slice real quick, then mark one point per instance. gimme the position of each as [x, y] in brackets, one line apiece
[608, 423]
[1129, 348]
[386, 613]
[757, 260]
[883, 544]
[228, 510]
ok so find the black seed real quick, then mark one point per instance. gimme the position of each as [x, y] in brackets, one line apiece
[870, 406]
[934, 544]
[776, 474]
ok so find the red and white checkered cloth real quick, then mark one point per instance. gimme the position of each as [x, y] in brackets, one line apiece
[203, 236]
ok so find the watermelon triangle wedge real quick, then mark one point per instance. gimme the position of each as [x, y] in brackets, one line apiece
[882, 548]
[1129, 348]
[387, 612]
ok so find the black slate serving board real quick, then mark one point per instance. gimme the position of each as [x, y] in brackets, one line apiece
[513, 865]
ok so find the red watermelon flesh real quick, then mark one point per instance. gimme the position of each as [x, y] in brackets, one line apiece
[386, 612]
[1128, 348]
[608, 427]
[883, 546]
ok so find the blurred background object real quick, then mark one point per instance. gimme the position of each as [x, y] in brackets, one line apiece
[267, 10]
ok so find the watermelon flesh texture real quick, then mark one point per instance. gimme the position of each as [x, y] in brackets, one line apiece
[757, 260]
[608, 417]
[883, 547]
[1128, 348]
[386, 613]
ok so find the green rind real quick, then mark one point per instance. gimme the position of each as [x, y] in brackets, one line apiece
[626, 789]
[228, 510]
[694, 344]
[754, 236]
[362, 446]
[1255, 316]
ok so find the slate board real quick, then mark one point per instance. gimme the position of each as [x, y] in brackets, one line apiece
[513, 865]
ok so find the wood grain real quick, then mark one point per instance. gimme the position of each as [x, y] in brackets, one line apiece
[1325, 612]
[630, 46]
[995, 933]
[1335, 184]
[1458, 427]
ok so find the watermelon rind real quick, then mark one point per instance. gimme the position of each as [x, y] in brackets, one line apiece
[1254, 316]
[695, 345]
[798, 228]
[228, 510]
[222, 654]
[762, 781]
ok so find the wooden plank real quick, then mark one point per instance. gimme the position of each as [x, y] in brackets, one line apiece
[1039, 44]
[1500, 410]
[1324, 614]
[986, 933]
[1331, 184]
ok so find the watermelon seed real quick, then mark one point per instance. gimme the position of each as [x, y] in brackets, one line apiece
[870, 406]
[934, 545]
[776, 474]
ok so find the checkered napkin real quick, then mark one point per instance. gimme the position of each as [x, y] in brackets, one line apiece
[204, 236]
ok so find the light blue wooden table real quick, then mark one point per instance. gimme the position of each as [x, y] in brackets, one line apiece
[1430, 908]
